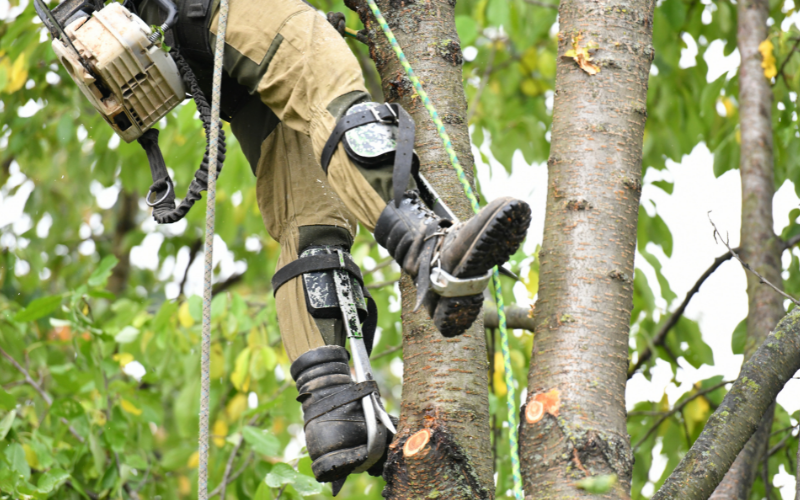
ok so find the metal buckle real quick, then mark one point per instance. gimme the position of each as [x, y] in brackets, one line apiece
[377, 116]
[447, 285]
[154, 203]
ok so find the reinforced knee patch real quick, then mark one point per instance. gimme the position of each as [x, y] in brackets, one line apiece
[374, 136]
[325, 257]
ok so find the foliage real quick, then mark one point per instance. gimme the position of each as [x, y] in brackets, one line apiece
[80, 318]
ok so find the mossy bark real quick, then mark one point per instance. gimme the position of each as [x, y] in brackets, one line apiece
[582, 316]
[445, 381]
[759, 246]
[730, 427]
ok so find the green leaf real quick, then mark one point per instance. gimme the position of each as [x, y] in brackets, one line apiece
[136, 461]
[103, 271]
[7, 401]
[598, 484]
[739, 337]
[67, 408]
[306, 485]
[261, 442]
[39, 308]
[98, 454]
[126, 335]
[467, 30]
[15, 456]
[280, 474]
[6, 423]
[52, 479]
[666, 186]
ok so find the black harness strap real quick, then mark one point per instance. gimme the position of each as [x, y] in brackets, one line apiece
[355, 392]
[315, 264]
[404, 166]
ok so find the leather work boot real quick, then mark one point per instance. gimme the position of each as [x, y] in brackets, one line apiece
[336, 439]
[422, 242]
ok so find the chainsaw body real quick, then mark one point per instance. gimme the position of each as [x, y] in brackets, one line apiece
[130, 80]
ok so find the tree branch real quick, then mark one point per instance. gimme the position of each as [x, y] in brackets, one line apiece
[47, 398]
[747, 266]
[382, 284]
[517, 317]
[739, 415]
[665, 415]
[661, 336]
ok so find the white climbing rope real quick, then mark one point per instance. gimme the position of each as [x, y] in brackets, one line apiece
[205, 356]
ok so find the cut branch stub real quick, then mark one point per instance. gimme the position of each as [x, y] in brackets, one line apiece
[416, 443]
[546, 402]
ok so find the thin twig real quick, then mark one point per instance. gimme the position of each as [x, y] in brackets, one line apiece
[379, 266]
[659, 337]
[794, 240]
[193, 250]
[747, 266]
[675, 410]
[382, 284]
[47, 398]
[484, 79]
[788, 56]
[387, 352]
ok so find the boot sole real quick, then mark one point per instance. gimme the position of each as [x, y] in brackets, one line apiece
[499, 240]
[338, 464]
[500, 237]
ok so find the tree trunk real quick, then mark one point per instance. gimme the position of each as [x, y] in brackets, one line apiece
[574, 422]
[760, 247]
[733, 423]
[128, 207]
[445, 381]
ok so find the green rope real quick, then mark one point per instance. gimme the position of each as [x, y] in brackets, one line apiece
[498, 295]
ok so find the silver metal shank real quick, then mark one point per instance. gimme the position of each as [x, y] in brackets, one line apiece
[447, 285]
[376, 434]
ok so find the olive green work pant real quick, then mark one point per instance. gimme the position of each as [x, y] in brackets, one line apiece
[288, 55]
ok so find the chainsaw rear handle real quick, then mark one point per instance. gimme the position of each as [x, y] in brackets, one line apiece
[172, 16]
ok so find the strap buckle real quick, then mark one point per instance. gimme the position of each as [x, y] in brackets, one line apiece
[378, 118]
[154, 203]
[447, 285]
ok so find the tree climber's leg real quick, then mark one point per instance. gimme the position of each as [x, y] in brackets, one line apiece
[311, 329]
[295, 222]
[303, 70]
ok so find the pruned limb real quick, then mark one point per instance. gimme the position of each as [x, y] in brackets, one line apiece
[739, 415]
[665, 415]
[747, 266]
[517, 317]
[46, 397]
[661, 336]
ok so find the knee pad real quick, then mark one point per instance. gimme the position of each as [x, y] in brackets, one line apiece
[324, 257]
[374, 136]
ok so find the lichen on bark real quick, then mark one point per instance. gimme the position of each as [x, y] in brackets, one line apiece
[740, 414]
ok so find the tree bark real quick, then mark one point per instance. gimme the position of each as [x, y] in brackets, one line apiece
[583, 313]
[128, 207]
[445, 381]
[740, 414]
[760, 247]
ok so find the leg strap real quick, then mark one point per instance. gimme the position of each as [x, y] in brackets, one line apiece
[354, 392]
[388, 114]
[328, 262]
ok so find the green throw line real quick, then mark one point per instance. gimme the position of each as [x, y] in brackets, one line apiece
[498, 295]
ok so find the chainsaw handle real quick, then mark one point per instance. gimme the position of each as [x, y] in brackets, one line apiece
[172, 13]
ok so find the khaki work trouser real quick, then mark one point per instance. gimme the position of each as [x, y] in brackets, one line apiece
[300, 66]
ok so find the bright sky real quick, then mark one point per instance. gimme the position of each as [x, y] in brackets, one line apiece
[719, 306]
